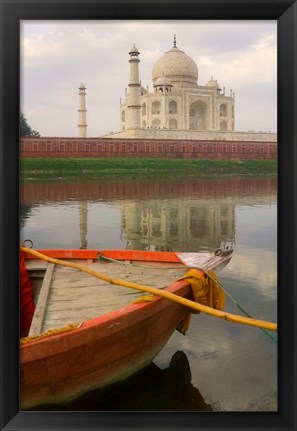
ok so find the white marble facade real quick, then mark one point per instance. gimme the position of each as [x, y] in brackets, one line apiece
[177, 102]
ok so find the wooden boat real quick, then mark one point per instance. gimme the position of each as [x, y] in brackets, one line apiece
[87, 334]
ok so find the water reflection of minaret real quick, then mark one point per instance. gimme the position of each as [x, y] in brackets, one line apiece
[83, 224]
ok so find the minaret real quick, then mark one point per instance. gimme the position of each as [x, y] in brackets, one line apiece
[82, 117]
[134, 91]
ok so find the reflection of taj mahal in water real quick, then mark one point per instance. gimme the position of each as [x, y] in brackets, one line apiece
[173, 224]
[189, 215]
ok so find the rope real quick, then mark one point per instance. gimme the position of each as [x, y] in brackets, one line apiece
[102, 258]
[136, 265]
[165, 294]
[70, 327]
[240, 307]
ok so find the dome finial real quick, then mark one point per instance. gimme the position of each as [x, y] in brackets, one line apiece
[174, 40]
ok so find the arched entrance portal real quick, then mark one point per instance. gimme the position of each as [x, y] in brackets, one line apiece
[198, 116]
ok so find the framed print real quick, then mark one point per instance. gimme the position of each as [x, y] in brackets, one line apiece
[148, 129]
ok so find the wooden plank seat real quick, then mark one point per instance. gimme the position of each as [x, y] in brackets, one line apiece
[37, 321]
[68, 295]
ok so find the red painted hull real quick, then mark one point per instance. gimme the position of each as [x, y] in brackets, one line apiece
[104, 350]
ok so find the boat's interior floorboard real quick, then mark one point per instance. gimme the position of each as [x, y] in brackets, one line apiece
[75, 296]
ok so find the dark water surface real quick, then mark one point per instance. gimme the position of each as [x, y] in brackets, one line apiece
[218, 365]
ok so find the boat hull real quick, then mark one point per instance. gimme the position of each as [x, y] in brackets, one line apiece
[103, 351]
[106, 349]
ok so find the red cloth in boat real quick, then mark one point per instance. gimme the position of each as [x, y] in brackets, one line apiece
[27, 305]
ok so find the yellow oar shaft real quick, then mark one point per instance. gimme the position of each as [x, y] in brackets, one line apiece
[163, 293]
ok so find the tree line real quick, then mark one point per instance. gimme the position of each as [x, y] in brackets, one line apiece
[25, 129]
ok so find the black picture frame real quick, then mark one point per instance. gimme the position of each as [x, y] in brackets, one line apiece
[285, 12]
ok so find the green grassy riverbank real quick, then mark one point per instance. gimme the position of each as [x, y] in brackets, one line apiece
[66, 169]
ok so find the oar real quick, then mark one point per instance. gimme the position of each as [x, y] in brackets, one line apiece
[154, 291]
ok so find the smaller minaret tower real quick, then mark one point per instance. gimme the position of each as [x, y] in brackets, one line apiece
[134, 91]
[82, 112]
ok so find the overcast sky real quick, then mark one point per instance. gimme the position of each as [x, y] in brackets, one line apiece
[56, 56]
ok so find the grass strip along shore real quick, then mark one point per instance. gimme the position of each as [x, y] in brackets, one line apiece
[92, 168]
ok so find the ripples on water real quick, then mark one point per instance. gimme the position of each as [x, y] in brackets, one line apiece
[224, 366]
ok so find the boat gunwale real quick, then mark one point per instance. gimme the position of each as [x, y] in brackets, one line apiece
[137, 255]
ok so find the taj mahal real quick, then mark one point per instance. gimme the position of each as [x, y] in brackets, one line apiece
[177, 101]
[177, 107]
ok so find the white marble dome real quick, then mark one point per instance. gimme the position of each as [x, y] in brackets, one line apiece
[162, 81]
[176, 66]
[213, 83]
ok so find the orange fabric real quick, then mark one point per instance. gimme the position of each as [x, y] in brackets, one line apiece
[27, 306]
[206, 290]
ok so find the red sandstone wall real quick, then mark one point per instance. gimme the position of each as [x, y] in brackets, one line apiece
[103, 147]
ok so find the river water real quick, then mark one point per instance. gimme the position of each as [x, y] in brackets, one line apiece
[218, 365]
